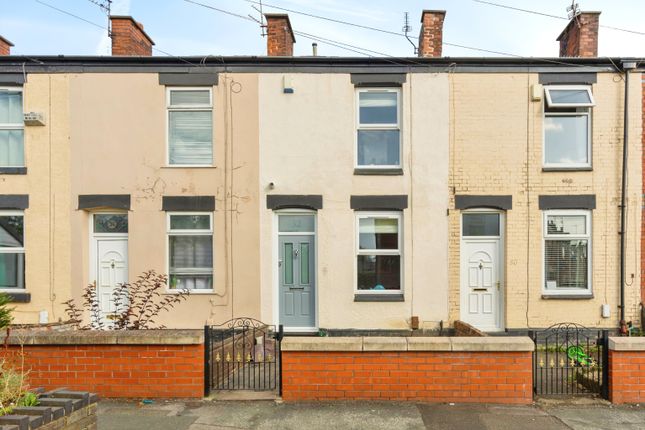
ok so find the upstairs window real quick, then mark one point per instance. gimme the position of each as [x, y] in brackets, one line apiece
[12, 250]
[567, 127]
[12, 128]
[379, 132]
[190, 126]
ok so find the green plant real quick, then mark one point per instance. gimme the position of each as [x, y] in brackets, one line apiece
[137, 304]
[12, 386]
[28, 399]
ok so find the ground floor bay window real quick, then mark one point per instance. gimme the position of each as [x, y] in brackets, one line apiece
[190, 251]
[567, 252]
[378, 259]
[12, 250]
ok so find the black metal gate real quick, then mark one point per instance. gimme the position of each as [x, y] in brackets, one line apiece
[242, 354]
[570, 360]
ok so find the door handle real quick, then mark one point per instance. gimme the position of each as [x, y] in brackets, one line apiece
[295, 253]
[279, 263]
[497, 283]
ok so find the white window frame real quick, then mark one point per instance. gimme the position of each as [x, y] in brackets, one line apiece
[17, 250]
[546, 114]
[185, 232]
[16, 126]
[368, 127]
[588, 237]
[195, 108]
[399, 251]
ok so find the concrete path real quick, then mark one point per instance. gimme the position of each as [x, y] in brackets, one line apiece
[213, 415]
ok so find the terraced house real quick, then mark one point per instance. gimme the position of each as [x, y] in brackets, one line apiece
[327, 192]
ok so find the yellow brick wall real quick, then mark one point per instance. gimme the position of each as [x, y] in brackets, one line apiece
[496, 149]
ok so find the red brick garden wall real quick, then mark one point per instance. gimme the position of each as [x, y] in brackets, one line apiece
[432, 376]
[627, 376]
[126, 371]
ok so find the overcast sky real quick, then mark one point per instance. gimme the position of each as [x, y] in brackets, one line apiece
[182, 28]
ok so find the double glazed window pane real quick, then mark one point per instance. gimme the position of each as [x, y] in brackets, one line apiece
[566, 264]
[481, 224]
[12, 254]
[110, 223]
[378, 108]
[191, 262]
[379, 272]
[12, 153]
[296, 223]
[12, 270]
[378, 148]
[566, 224]
[569, 97]
[190, 222]
[191, 137]
[566, 139]
[10, 107]
[190, 98]
[378, 233]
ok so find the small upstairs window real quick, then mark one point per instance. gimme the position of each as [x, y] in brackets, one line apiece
[190, 126]
[12, 128]
[567, 127]
[379, 132]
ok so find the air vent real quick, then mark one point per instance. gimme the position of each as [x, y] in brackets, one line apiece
[34, 118]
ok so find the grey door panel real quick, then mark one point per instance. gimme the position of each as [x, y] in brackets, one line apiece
[297, 280]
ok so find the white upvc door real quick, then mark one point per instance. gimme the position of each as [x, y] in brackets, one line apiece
[112, 270]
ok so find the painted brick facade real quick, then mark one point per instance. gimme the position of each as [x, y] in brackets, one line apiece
[627, 376]
[486, 377]
[126, 371]
[496, 149]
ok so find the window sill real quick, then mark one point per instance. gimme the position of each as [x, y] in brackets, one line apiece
[13, 170]
[568, 169]
[379, 297]
[366, 171]
[187, 166]
[546, 296]
[193, 292]
[18, 296]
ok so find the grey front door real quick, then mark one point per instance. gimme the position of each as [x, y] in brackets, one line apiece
[297, 281]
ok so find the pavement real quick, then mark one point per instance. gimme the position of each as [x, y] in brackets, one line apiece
[583, 414]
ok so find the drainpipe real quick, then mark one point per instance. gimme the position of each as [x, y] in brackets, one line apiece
[627, 66]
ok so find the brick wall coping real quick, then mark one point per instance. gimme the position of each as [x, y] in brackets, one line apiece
[98, 337]
[369, 343]
[627, 343]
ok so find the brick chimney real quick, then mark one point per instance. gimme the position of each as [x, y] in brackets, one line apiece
[5, 46]
[128, 37]
[431, 34]
[580, 36]
[280, 38]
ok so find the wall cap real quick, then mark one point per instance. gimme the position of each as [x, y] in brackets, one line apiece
[627, 343]
[107, 337]
[371, 343]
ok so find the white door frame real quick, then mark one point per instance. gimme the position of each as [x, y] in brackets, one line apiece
[276, 269]
[94, 242]
[501, 264]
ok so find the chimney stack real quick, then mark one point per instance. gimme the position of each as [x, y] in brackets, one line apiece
[431, 34]
[128, 37]
[5, 46]
[280, 38]
[580, 36]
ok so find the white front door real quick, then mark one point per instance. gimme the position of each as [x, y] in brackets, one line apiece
[112, 270]
[481, 270]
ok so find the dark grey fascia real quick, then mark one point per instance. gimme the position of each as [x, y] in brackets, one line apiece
[568, 78]
[188, 203]
[19, 296]
[463, 201]
[378, 79]
[399, 202]
[285, 201]
[188, 79]
[358, 297]
[114, 201]
[12, 79]
[578, 201]
[14, 201]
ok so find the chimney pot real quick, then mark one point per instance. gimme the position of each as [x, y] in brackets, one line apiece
[5, 46]
[431, 33]
[128, 37]
[280, 38]
[580, 37]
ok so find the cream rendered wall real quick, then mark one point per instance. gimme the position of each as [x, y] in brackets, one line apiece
[47, 230]
[118, 145]
[307, 146]
[496, 148]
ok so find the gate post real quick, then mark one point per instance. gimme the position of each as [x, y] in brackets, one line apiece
[279, 342]
[207, 363]
[605, 365]
[531, 334]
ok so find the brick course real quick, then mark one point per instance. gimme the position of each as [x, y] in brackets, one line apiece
[126, 371]
[627, 376]
[280, 37]
[430, 376]
[431, 34]
[128, 37]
